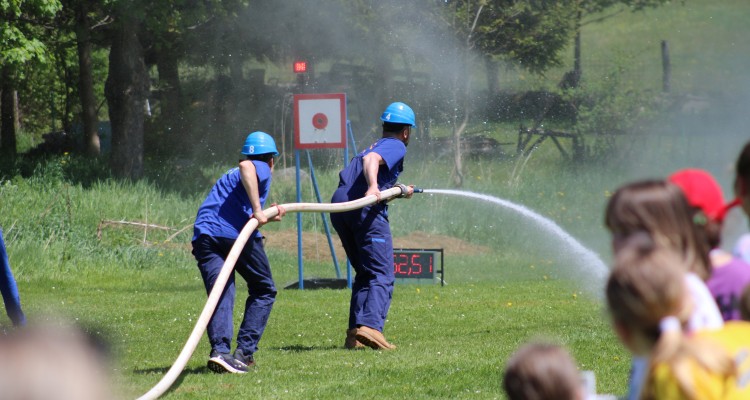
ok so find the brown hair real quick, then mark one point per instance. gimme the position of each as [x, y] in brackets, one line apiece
[645, 286]
[742, 168]
[745, 303]
[541, 371]
[659, 209]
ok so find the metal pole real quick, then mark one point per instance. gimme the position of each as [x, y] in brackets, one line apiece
[300, 266]
[323, 217]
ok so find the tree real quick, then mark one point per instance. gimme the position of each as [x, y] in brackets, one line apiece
[126, 91]
[89, 117]
[21, 44]
[593, 10]
[528, 33]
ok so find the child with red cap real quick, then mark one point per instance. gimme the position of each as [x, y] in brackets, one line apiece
[730, 274]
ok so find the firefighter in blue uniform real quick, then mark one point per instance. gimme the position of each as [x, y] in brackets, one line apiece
[238, 195]
[366, 234]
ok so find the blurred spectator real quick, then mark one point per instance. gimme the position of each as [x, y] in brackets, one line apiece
[650, 306]
[540, 371]
[53, 362]
[655, 212]
[9, 289]
[729, 274]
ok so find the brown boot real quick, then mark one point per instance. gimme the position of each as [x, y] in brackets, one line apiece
[372, 338]
[351, 342]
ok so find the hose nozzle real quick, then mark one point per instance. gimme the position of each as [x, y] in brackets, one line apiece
[405, 190]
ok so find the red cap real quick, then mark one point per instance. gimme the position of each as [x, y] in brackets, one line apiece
[702, 191]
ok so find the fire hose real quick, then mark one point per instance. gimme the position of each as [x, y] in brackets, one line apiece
[213, 298]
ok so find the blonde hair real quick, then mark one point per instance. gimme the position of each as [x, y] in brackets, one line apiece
[646, 286]
[659, 209]
[541, 371]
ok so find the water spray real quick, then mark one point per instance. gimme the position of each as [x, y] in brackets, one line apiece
[597, 269]
[173, 373]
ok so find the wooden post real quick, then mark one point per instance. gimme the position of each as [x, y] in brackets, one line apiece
[666, 66]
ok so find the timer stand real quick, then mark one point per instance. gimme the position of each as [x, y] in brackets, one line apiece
[418, 265]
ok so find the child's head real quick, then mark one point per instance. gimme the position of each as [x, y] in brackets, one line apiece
[540, 371]
[660, 210]
[649, 302]
[645, 286]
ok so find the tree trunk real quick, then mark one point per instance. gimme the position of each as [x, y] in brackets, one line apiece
[171, 91]
[86, 81]
[492, 69]
[577, 69]
[666, 65]
[126, 90]
[8, 111]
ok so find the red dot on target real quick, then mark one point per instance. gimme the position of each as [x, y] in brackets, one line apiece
[320, 121]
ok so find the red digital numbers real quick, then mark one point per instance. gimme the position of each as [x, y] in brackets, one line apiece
[413, 264]
[400, 264]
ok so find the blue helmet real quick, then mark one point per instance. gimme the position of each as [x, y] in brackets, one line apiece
[258, 143]
[399, 113]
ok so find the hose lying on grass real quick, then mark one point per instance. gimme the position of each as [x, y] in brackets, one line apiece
[213, 298]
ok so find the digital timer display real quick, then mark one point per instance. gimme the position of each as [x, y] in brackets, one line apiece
[417, 263]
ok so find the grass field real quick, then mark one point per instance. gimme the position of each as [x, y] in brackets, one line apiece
[140, 289]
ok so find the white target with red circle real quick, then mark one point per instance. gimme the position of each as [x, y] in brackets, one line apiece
[319, 121]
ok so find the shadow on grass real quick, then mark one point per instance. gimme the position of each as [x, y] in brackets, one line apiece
[163, 370]
[178, 382]
[300, 349]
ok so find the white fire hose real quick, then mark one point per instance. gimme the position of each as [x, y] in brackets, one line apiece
[226, 270]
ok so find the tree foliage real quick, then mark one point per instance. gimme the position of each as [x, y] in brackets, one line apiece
[20, 34]
[179, 71]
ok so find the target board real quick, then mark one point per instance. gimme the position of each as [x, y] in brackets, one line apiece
[319, 121]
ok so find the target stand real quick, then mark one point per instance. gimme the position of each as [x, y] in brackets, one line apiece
[319, 123]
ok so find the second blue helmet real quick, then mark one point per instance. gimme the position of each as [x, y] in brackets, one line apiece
[399, 113]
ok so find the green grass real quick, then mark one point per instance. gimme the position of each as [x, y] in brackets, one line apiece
[141, 289]
[452, 340]
[706, 43]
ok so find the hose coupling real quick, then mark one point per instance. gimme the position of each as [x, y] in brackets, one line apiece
[404, 190]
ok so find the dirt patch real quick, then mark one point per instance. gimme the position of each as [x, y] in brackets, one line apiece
[315, 245]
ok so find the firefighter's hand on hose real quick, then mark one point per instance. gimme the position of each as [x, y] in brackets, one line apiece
[282, 212]
[261, 217]
[375, 191]
[406, 191]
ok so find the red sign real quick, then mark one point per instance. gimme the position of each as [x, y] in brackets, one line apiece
[300, 67]
[319, 120]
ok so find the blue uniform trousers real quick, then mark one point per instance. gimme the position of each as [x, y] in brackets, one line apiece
[366, 237]
[9, 289]
[253, 266]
